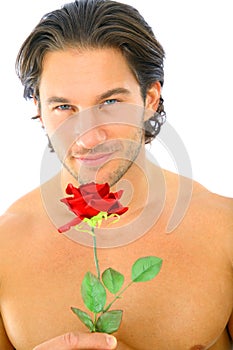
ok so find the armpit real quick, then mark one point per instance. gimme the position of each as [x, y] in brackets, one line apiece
[4, 340]
[230, 327]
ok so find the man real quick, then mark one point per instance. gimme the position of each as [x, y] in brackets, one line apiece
[95, 72]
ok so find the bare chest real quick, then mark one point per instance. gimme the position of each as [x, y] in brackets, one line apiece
[186, 305]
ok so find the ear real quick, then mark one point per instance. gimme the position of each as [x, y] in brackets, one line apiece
[152, 99]
[37, 104]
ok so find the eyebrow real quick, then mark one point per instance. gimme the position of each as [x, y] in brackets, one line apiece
[103, 96]
[56, 99]
[111, 92]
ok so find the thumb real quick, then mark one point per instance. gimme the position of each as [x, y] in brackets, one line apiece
[80, 341]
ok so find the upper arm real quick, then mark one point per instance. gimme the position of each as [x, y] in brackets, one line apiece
[228, 253]
[230, 323]
[5, 343]
[230, 326]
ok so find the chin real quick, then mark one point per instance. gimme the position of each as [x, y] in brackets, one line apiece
[110, 173]
[114, 175]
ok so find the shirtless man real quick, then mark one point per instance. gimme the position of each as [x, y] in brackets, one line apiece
[96, 55]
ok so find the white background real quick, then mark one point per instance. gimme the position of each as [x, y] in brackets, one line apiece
[197, 38]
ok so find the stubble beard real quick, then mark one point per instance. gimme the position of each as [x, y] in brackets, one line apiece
[111, 176]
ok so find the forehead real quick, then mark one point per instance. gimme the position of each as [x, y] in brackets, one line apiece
[72, 72]
[80, 64]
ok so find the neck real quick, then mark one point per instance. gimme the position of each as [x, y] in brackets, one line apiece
[133, 181]
[144, 194]
[137, 183]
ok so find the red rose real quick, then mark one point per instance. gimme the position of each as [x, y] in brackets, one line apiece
[89, 200]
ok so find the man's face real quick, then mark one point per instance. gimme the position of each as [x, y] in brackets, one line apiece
[93, 112]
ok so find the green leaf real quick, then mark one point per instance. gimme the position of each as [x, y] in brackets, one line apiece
[84, 317]
[145, 269]
[109, 322]
[93, 293]
[113, 280]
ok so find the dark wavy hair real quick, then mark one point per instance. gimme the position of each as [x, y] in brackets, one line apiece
[96, 24]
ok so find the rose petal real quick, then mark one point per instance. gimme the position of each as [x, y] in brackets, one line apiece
[102, 204]
[89, 211]
[119, 211]
[103, 189]
[90, 199]
[70, 224]
[118, 194]
[70, 189]
[93, 188]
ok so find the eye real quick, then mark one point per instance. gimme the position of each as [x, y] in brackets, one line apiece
[111, 101]
[64, 107]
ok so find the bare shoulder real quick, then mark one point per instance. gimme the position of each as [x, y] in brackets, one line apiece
[26, 223]
[17, 221]
[218, 216]
[214, 206]
[20, 210]
[210, 215]
[203, 201]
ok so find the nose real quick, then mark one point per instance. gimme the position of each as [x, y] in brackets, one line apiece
[89, 128]
[91, 138]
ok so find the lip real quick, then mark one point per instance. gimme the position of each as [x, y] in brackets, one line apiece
[94, 160]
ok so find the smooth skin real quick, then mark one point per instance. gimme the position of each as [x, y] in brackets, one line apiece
[79, 341]
[188, 306]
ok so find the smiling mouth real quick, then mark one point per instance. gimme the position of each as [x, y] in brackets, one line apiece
[94, 160]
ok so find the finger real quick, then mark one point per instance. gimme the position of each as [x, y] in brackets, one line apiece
[79, 341]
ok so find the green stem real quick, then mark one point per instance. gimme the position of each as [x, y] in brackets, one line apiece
[95, 320]
[95, 253]
[117, 296]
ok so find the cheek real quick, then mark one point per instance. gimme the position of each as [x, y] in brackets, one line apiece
[126, 132]
[52, 123]
[47, 121]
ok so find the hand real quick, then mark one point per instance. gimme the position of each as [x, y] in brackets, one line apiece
[80, 341]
